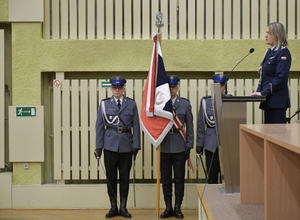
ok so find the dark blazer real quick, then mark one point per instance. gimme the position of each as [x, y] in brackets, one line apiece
[274, 78]
[112, 140]
[206, 133]
[174, 143]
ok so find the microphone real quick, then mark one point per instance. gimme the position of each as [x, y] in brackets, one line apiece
[250, 51]
[289, 119]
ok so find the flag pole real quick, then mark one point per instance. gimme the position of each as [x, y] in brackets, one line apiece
[159, 24]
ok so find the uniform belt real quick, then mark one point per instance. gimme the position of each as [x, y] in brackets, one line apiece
[173, 130]
[119, 129]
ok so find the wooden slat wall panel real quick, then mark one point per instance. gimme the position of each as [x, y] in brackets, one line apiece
[236, 19]
[100, 19]
[84, 130]
[257, 111]
[209, 20]
[218, 19]
[173, 19]
[298, 21]
[66, 147]
[293, 86]
[93, 107]
[127, 19]
[227, 19]
[191, 28]
[118, 20]
[136, 19]
[154, 11]
[81, 20]
[184, 94]
[75, 128]
[282, 11]
[146, 20]
[254, 19]
[246, 19]
[64, 13]
[109, 19]
[2, 101]
[164, 10]
[182, 19]
[46, 23]
[291, 20]
[273, 10]
[129, 93]
[200, 19]
[55, 19]
[90, 19]
[249, 91]
[263, 18]
[73, 20]
[194, 103]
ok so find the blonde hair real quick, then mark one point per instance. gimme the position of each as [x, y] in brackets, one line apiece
[277, 29]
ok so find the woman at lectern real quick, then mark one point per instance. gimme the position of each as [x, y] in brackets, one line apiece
[274, 73]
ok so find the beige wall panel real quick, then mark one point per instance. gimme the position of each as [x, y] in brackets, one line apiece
[254, 20]
[298, 21]
[26, 136]
[66, 147]
[200, 19]
[263, 18]
[127, 19]
[257, 112]
[193, 100]
[291, 20]
[55, 19]
[100, 19]
[109, 20]
[239, 87]
[246, 19]
[46, 23]
[119, 19]
[191, 20]
[146, 22]
[173, 19]
[75, 128]
[136, 19]
[82, 20]
[5, 190]
[84, 130]
[64, 23]
[218, 19]
[164, 10]
[249, 91]
[154, 11]
[26, 11]
[73, 20]
[236, 19]
[282, 12]
[273, 10]
[227, 19]
[90, 19]
[294, 97]
[2, 101]
[83, 196]
[93, 108]
[209, 20]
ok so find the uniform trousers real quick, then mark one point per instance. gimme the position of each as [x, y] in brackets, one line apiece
[177, 161]
[212, 166]
[275, 116]
[115, 161]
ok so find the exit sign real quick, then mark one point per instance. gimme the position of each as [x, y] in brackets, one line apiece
[105, 84]
[26, 111]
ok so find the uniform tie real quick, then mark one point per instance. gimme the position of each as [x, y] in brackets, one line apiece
[119, 103]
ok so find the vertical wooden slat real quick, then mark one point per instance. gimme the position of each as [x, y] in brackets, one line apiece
[183, 92]
[55, 19]
[93, 107]
[138, 97]
[127, 19]
[182, 19]
[91, 19]
[254, 19]
[109, 20]
[249, 91]
[246, 19]
[154, 11]
[64, 14]
[100, 19]
[46, 23]
[173, 20]
[164, 10]
[57, 128]
[218, 19]
[81, 20]
[146, 21]
[75, 128]
[239, 87]
[293, 86]
[230, 87]
[136, 19]
[263, 18]
[66, 130]
[273, 10]
[73, 20]
[282, 12]
[290, 28]
[200, 19]
[236, 19]
[193, 101]
[84, 144]
[227, 19]
[209, 20]
[191, 20]
[119, 19]
[298, 21]
[2, 101]
[257, 111]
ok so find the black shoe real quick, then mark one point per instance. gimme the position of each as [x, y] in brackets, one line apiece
[168, 211]
[114, 208]
[123, 211]
[177, 210]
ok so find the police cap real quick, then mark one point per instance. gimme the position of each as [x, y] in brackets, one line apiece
[173, 80]
[220, 78]
[117, 81]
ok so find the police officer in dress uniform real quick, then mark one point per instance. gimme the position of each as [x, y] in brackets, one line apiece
[118, 134]
[206, 133]
[174, 152]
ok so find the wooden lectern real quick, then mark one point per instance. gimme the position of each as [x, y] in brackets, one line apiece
[230, 112]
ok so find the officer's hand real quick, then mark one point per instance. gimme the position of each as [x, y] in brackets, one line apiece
[199, 150]
[98, 153]
[134, 153]
[187, 153]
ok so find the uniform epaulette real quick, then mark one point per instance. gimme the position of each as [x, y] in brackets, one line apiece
[106, 99]
[185, 99]
[207, 97]
[129, 98]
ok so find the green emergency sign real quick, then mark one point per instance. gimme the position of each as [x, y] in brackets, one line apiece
[26, 111]
[105, 84]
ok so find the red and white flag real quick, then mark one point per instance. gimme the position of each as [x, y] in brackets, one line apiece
[156, 113]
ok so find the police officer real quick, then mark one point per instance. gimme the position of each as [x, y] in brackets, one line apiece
[206, 133]
[175, 151]
[118, 134]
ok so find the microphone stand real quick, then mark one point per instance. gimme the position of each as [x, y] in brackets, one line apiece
[289, 119]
